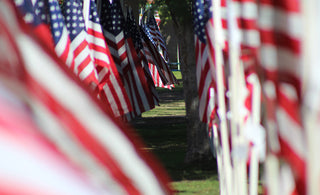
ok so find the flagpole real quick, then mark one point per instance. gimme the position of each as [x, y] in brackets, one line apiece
[86, 9]
[311, 70]
[254, 160]
[272, 174]
[217, 146]
[218, 45]
[98, 7]
[239, 147]
[178, 56]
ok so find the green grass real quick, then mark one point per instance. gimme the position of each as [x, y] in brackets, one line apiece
[174, 108]
[171, 101]
[177, 74]
[165, 137]
[163, 130]
[207, 186]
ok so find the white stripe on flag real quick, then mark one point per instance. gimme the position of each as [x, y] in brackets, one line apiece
[285, 22]
[93, 118]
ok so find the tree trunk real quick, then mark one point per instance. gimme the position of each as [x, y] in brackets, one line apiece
[198, 147]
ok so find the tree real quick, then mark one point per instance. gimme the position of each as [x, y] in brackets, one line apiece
[179, 11]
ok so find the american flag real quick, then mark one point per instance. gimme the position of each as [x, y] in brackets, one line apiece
[83, 62]
[40, 17]
[155, 35]
[152, 59]
[126, 59]
[99, 156]
[154, 42]
[112, 92]
[205, 80]
[133, 30]
[280, 27]
[157, 76]
[23, 142]
[49, 12]
[246, 12]
[157, 18]
[155, 58]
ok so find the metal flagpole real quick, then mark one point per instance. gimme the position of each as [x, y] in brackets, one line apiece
[217, 146]
[254, 160]
[86, 9]
[98, 2]
[311, 83]
[218, 45]
[178, 56]
[239, 147]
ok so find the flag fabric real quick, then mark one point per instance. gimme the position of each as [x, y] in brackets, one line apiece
[155, 45]
[112, 93]
[155, 58]
[115, 38]
[156, 75]
[84, 149]
[157, 18]
[155, 35]
[41, 18]
[83, 62]
[48, 11]
[126, 59]
[157, 78]
[111, 89]
[27, 12]
[44, 169]
[281, 60]
[205, 78]
[246, 12]
[246, 30]
[133, 30]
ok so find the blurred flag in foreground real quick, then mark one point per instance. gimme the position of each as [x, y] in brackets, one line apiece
[281, 60]
[82, 146]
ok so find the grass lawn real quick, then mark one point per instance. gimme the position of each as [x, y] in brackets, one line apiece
[163, 130]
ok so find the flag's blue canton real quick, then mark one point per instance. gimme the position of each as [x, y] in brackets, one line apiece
[133, 31]
[112, 18]
[72, 12]
[27, 11]
[93, 12]
[42, 10]
[51, 14]
[201, 15]
[104, 14]
[147, 30]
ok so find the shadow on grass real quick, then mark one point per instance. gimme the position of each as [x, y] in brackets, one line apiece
[164, 132]
[165, 137]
